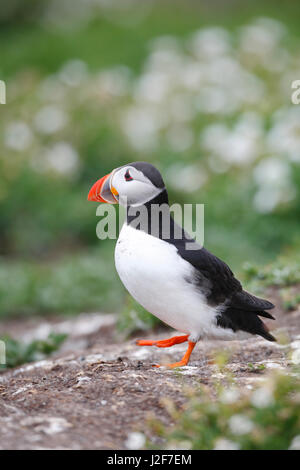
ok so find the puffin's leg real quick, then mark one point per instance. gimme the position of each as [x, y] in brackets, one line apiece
[184, 361]
[163, 343]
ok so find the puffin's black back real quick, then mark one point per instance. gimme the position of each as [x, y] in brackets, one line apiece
[150, 172]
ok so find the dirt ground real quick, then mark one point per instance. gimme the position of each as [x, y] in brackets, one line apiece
[99, 388]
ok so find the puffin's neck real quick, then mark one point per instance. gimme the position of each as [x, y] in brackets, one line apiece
[145, 217]
[161, 198]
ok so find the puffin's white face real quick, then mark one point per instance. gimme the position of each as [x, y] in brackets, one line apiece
[126, 185]
[132, 186]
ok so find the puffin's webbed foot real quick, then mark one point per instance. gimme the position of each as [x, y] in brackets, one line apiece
[184, 361]
[163, 343]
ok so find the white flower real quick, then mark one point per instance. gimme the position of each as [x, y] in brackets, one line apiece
[226, 444]
[18, 136]
[135, 441]
[267, 199]
[240, 86]
[239, 149]
[179, 138]
[51, 89]
[212, 138]
[272, 171]
[260, 44]
[153, 86]
[165, 56]
[141, 125]
[192, 75]
[180, 108]
[217, 165]
[164, 43]
[73, 72]
[261, 38]
[62, 158]
[240, 424]
[262, 397]
[229, 396]
[273, 177]
[114, 81]
[50, 119]
[284, 136]
[296, 357]
[295, 444]
[208, 43]
[239, 146]
[213, 99]
[191, 178]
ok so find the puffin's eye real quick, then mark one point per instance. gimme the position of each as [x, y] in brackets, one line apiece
[127, 176]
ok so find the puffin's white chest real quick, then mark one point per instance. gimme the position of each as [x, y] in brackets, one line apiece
[156, 276]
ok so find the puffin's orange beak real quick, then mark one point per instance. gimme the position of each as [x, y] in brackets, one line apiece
[102, 191]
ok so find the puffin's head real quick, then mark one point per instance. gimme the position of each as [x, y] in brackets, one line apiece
[133, 185]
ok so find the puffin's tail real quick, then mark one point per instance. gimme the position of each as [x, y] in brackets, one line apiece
[247, 301]
[265, 333]
[245, 320]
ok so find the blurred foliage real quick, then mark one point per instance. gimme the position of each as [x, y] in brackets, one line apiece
[283, 272]
[135, 318]
[71, 284]
[202, 91]
[18, 352]
[266, 418]
[290, 299]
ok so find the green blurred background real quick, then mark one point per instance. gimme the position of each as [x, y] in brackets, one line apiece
[200, 89]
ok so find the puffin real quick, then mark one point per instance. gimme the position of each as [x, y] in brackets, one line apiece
[169, 273]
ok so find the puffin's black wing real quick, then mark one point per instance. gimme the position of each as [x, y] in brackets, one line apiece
[211, 274]
[222, 283]
[215, 279]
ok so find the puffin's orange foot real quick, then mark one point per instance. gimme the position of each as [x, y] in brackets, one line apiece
[184, 361]
[144, 342]
[172, 366]
[163, 343]
[177, 364]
